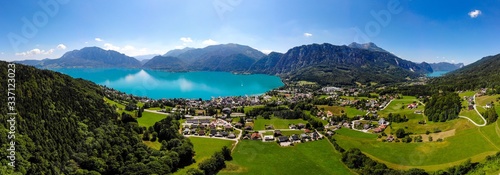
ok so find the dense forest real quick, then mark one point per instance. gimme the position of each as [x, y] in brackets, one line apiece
[64, 126]
[443, 106]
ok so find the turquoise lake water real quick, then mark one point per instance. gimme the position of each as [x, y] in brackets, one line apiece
[437, 73]
[160, 84]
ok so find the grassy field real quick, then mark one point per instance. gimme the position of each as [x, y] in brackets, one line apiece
[120, 107]
[337, 110]
[255, 157]
[249, 108]
[472, 114]
[204, 148]
[475, 143]
[276, 122]
[149, 118]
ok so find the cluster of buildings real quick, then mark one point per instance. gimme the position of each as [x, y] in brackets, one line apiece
[206, 127]
[284, 140]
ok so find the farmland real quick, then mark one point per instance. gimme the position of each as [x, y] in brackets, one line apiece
[255, 157]
[204, 148]
[259, 123]
[431, 156]
[149, 118]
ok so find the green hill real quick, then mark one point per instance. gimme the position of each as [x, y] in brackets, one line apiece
[64, 126]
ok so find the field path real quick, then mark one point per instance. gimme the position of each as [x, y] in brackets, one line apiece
[475, 108]
[153, 111]
[482, 134]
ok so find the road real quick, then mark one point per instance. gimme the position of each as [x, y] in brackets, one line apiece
[153, 111]
[475, 108]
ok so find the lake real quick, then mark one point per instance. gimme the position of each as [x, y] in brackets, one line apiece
[437, 73]
[159, 84]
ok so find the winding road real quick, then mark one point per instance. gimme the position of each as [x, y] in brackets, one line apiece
[475, 108]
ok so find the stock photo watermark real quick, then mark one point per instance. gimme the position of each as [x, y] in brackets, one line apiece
[39, 19]
[381, 19]
[224, 6]
[12, 113]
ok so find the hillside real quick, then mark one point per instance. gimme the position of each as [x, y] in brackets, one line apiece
[339, 65]
[480, 74]
[89, 57]
[64, 126]
[368, 46]
[165, 63]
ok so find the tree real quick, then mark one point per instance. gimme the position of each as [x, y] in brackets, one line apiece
[194, 171]
[400, 133]
[145, 136]
[227, 153]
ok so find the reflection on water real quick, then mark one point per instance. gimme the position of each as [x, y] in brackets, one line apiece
[159, 84]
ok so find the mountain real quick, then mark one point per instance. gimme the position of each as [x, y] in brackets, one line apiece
[444, 66]
[368, 46]
[177, 52]
[339, 65]
[165, 63]
[144, 61]
[90, 57]
[64, 126]
[145, 57]
[480, 74]
[224, 57]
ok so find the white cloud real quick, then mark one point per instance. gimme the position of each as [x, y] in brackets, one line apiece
[61, 46]
[186, 40]
[35, 52]
[474, 13]
[109, 46]
[308, 34]
[209, 42]
[98, 39]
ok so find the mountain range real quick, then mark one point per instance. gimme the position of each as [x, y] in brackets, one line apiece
[444, 66]
[483, 73]
[325, 63]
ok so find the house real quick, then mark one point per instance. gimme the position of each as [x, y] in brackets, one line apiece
[201, 132]
[231, 136]
[304, 136]
[248, 128]
[186, 131]
[269, 127]
[489, 105]
[268, 138]
[238, 125]
[277, 133]
[471, 107]
[300, 126]
[315, 135]
[218, 134]
[255, 136]
[213, 132]
[366, 126]
[283, 139]
[292, 126]
[390, 138]
[249, 120]
[224, 133]
[377, 130]
[193, 131]
[295, 138]
[381, 121]
[228, 127]
[329, 133]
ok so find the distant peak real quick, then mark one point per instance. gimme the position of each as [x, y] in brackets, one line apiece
[368, 46]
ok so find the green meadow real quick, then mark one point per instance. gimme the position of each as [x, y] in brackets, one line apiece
[338, 110]
[149, 118]
[259, 123]
[204, 148]
[475, 143]
[256, 157]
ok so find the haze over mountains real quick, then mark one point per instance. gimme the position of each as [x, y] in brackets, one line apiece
[322, 63]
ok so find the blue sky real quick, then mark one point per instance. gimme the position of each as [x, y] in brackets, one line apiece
[417, 30]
